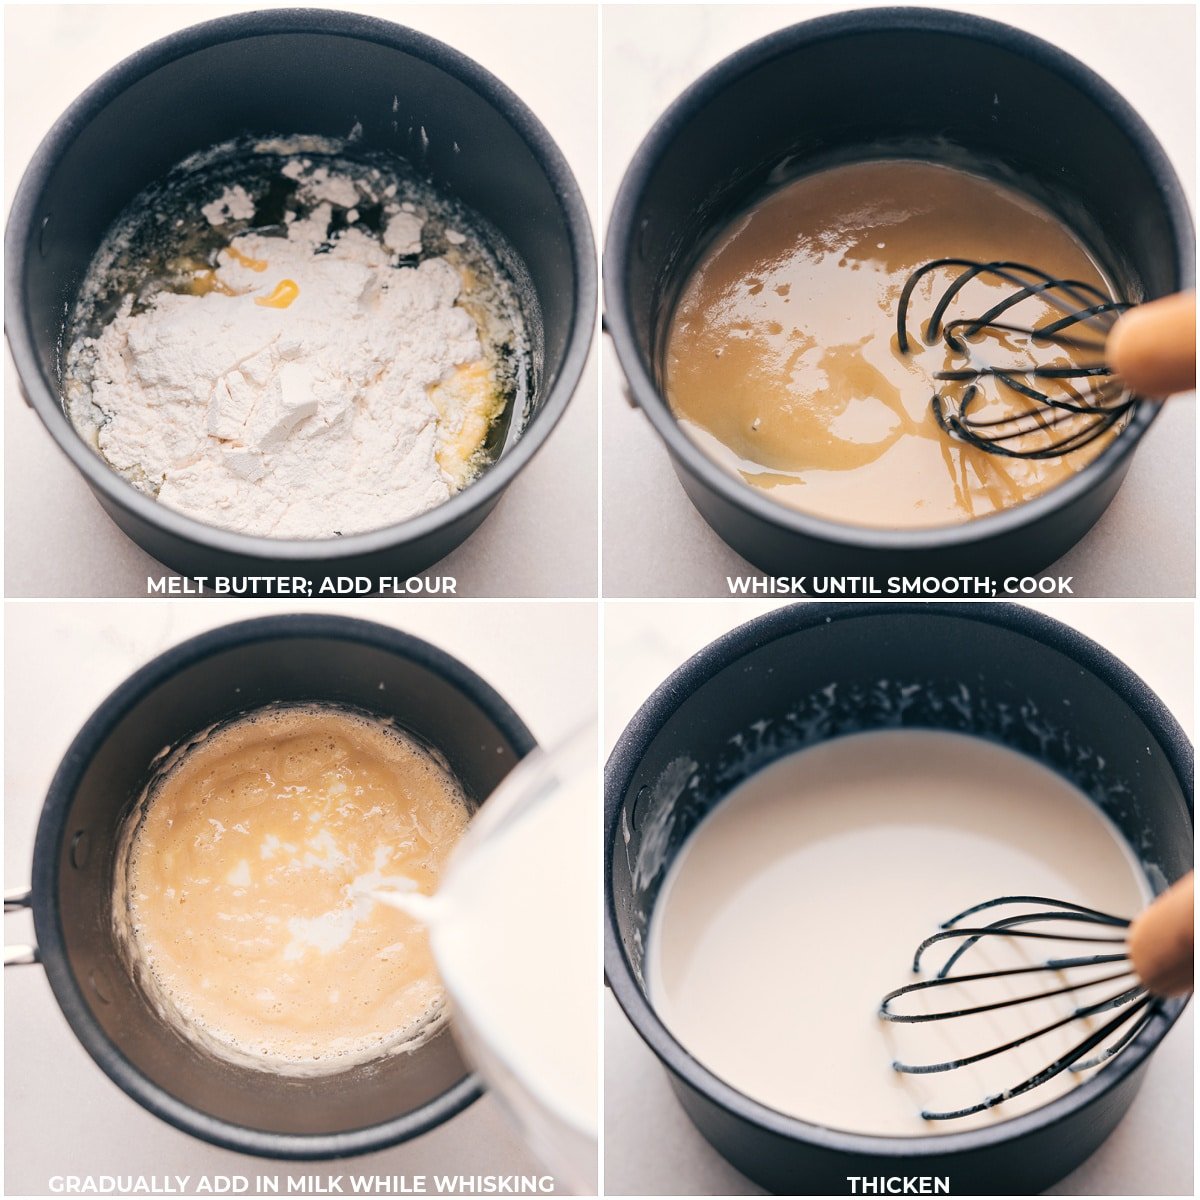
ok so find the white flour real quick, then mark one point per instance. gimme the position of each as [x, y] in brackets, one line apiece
[357, 398]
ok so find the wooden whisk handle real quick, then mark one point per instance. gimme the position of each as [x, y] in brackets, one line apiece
[1162, 940]
[1153, 346]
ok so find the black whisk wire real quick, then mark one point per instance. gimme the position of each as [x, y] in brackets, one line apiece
[1130, 1002]
[1060, 911]
[1046, 395]
[1067, 1061]
[928, 984]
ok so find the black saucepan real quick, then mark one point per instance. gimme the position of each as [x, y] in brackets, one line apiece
[299, 71]
[873, 82]
[807, 673]
[184, 691]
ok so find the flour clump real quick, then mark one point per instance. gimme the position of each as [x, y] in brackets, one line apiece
[324, 361]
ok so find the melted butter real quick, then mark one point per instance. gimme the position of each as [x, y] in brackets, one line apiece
[468, 402]
[244, 260]
[782, 359]
[206, 280]
[198, 278]
[285, 291]
[246, 882]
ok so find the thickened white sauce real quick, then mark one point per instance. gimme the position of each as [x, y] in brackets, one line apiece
[797, 903]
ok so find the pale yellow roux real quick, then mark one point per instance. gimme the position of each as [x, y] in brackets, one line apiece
[782, 362]
[246, 886]
[796, 905]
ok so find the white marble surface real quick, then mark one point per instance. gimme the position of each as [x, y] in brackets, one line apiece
[1144, 545]
[650, 1147]
[541, 539]
[62, 1114]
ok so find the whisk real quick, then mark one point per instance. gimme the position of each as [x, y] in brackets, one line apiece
[1150, 957]
[1061, 383]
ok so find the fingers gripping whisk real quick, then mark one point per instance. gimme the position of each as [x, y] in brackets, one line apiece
[1099, 960]
[1019, 385]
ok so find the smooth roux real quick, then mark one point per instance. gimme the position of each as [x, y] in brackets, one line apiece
[782, 358]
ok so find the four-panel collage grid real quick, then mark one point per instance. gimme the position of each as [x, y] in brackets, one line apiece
[599, 599]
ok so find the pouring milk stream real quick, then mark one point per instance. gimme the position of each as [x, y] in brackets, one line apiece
[514, 933]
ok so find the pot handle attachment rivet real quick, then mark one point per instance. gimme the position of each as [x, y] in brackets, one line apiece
[15, 956]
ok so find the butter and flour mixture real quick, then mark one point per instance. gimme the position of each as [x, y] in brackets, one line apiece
[782, 361]
[295, 345]
[241, 888]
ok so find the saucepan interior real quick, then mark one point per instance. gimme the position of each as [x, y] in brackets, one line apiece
[305, 72]
[212, 678]
[806, 674]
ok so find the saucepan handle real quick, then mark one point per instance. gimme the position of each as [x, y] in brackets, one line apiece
[16, 956]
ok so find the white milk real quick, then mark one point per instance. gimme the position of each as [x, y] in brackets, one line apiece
[514, 931]
[798, 902]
